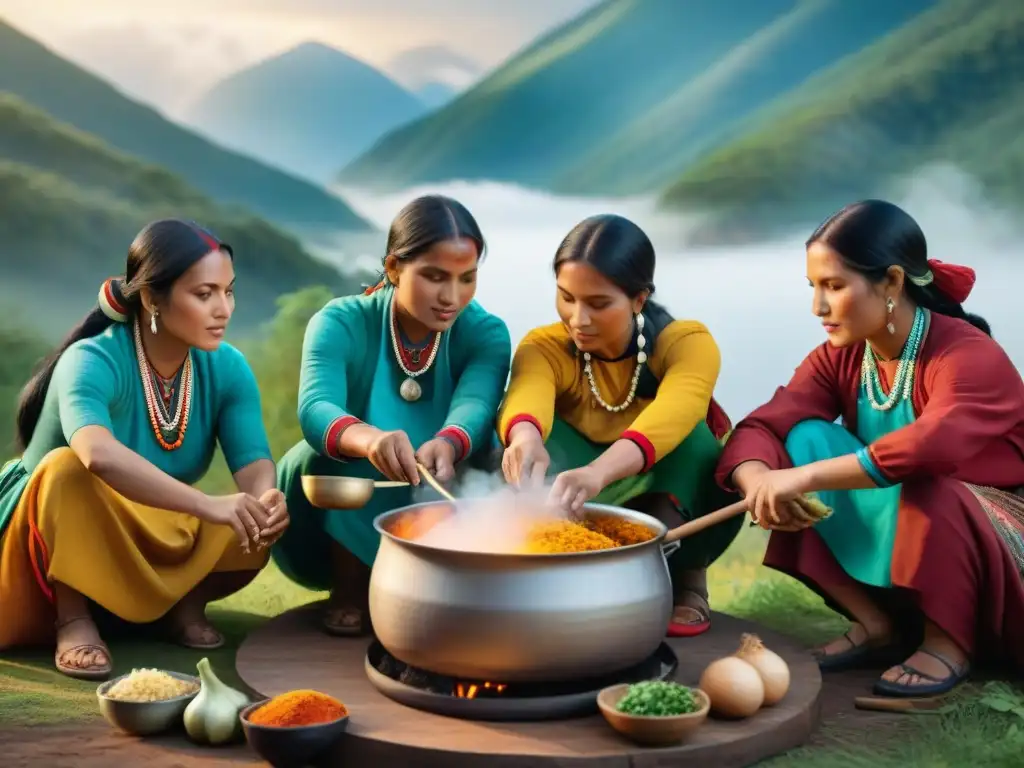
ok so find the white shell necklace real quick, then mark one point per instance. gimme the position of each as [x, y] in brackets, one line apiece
[410, 390]
[641, 358]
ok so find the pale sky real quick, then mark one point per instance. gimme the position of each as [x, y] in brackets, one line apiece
[172, 49]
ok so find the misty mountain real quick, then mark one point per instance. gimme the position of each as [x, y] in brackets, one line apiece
[309, 110]
[947, 88]
[626, 96]
[70, 205]
[74, 96]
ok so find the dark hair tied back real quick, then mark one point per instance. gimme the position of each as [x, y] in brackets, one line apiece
[425, 222]
[871, 236]
[620, 251]
[158, 256]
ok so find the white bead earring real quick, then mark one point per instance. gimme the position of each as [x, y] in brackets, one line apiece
[890, 305]
[641, 342]
[152, 322]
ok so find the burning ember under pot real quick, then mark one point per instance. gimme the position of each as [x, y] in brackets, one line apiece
[520, 618]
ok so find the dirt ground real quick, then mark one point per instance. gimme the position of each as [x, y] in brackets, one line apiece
[95, 745]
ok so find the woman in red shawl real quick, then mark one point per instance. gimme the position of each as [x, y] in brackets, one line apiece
[925, 474]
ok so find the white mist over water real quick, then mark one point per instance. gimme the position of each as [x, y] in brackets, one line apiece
[755, 300]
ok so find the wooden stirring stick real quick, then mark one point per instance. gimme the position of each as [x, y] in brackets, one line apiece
[712, 518]
[433, 482]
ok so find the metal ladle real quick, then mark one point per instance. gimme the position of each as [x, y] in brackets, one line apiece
[332, 492]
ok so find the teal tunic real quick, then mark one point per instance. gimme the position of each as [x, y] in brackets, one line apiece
[96, 382]
[349, 371]
[861, 532]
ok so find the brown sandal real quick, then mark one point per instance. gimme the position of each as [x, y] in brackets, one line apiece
[182, 637]
[343, 622]
[82, 673]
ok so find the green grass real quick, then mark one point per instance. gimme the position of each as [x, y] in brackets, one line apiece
[982, 727]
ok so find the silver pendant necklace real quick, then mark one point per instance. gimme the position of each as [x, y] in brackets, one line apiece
[410, 389]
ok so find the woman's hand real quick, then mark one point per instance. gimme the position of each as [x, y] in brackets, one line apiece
[575, 488]
[526, 459]
[393, 455]
[438, 456]
[277, 517]
[775, 499]
[246, 515]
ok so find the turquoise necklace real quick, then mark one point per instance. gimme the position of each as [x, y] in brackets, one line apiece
[903, 383]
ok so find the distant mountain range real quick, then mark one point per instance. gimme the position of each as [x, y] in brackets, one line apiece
[309, 110]
[73, 96]
[776, 109]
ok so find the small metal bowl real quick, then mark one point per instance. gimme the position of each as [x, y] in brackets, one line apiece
[144, 718]
[651, 730]
[331, 492]
[291, 747]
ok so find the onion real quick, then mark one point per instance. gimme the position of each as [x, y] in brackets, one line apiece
[770, 666]
[733, 686]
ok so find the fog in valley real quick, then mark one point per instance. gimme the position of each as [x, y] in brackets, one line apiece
[755, 299]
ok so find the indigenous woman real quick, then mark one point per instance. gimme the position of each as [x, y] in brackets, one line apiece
[411, 371]
[924, 474]
[618, 395]
[116, 428]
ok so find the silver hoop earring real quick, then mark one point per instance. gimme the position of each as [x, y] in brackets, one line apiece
[152, 322]
[890, 305]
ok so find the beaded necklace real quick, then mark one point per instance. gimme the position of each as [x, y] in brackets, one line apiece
[903, 382]
[409, 359]
[641, 358]
[169, 430]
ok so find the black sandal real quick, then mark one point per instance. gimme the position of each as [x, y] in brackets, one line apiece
[937, 686]
[868, 653]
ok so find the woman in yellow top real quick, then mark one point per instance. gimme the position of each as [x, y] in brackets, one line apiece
[618, 397]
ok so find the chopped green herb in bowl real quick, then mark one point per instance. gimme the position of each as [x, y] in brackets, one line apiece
[657, 698]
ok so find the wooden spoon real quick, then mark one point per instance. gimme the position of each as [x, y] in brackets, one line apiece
[433, 482]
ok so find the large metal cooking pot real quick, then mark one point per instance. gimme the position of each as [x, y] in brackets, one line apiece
[519, 617]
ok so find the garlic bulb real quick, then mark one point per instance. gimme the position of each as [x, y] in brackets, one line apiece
[212, 716]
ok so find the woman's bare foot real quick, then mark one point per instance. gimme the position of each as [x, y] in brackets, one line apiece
[190, 627]
[81, 652]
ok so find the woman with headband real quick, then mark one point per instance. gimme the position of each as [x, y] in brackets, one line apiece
[925, 474]
[117, 426]
[411, 371]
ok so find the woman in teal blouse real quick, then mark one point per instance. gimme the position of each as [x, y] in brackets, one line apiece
[412, 370]
[116, 428]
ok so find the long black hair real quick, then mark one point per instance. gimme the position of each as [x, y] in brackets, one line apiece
[158, 256]
[425, 222]
[621, 251]
[871, 236]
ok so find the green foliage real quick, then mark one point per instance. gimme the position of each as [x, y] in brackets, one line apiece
[946, 88]
[623, 98]
[70, 204]
[75, 97]
[20, 351]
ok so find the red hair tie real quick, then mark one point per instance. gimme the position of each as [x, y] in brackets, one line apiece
[952, 280]
[110, 302]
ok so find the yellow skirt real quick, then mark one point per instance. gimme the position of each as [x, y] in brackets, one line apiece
[135, 561]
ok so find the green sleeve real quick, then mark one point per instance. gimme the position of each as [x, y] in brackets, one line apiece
[240, 430]
[333, 339]
[481, 382]
[87, 381]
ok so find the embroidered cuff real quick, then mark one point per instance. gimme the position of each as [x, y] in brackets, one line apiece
[459, 438]
[640, 441]
[519, 419]
[332, 434]
[869, 466]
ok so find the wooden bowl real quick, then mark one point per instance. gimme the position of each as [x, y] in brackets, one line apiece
[291, 746]
[651, 730]
[144, 718]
